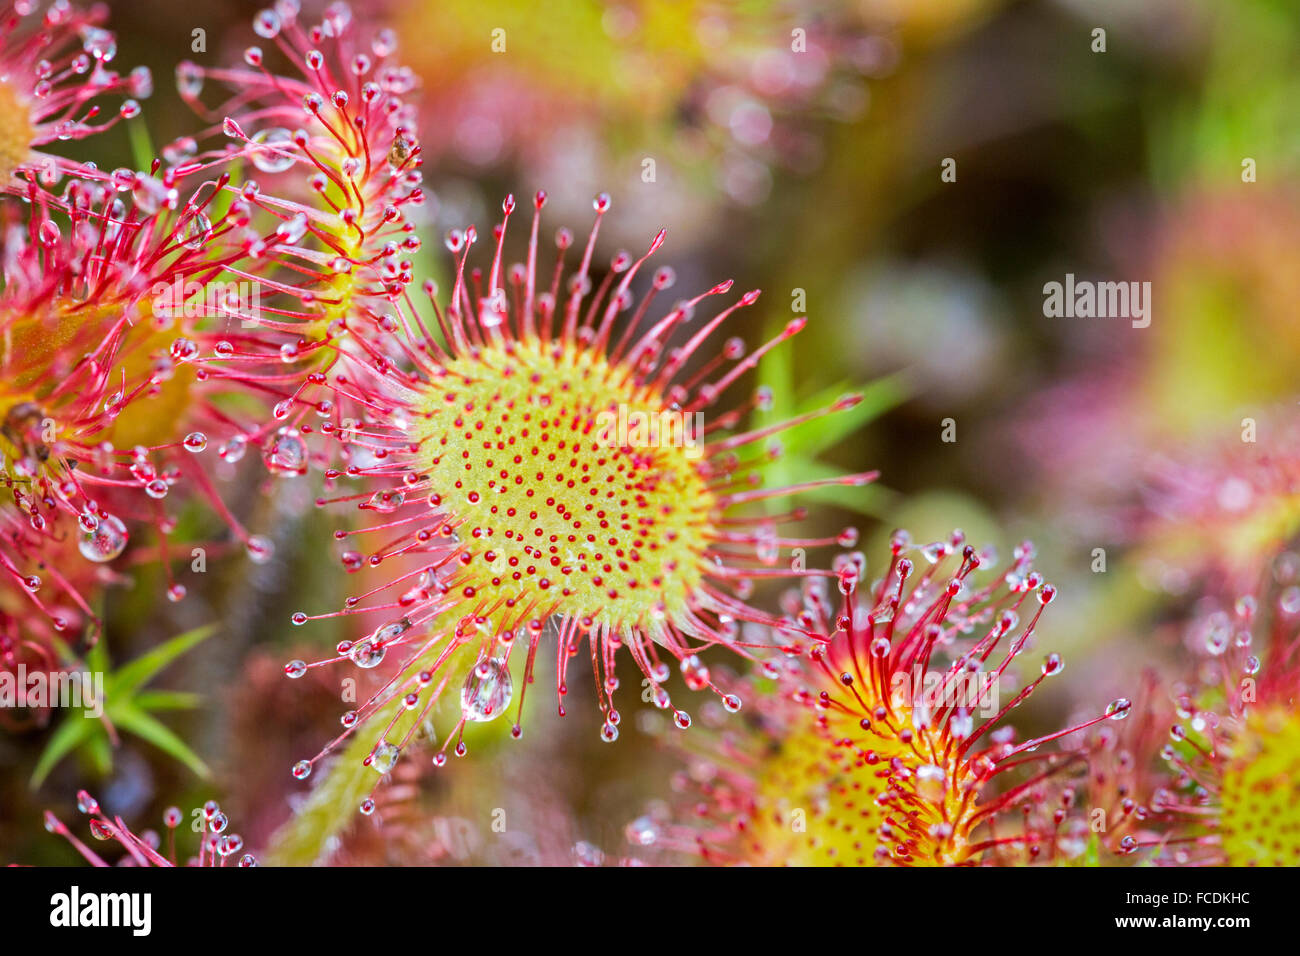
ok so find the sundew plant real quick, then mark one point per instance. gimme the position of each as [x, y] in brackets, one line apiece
[481, 434]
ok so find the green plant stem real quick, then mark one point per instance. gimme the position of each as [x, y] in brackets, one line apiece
[332, 808]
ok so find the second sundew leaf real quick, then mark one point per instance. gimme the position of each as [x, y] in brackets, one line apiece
[134, 720]
[142, 152]
[96, 658]
[130, 677]
[168, 700]
[71, 735]
[822, 434]
[802, 445]
[99, 751]
[127, 708]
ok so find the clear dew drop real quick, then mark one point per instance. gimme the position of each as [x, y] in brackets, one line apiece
[286, 453]
[99, 831]
[487, 690]
[99, 43]
[391, 631]
[931, 782]
[367, 653]
[384, 757]
[259, 548]
[106, 541]
[189, 79]
[766, 546]
[386, 502]
[587, 854]
[643, 831]
[196, 231]
[278, 157]
[233, 450]
[695, 673]
[230, 844]
[935, 552]
[1218, 639]
[292, 229]
[266, 24]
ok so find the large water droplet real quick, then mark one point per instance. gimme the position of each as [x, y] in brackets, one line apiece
[292, 229]
[189, 79]
[386, 502]
[367, 653]
[1219, 637]
[931, 782]
[233, 450]
[643, 831]
[695, 673]
[935, 552]
[99, 831]
[99, 43]
[487, 690]
[266, 24]
[106, 542]
[196, 231]
[286, 453]
[260, 548]
[383, 758]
